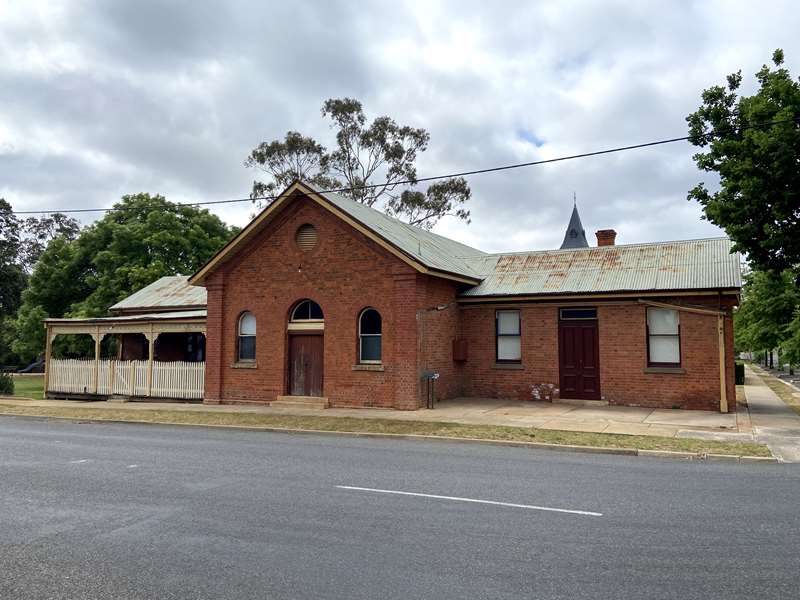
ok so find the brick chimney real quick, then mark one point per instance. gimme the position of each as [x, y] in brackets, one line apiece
[606, 237]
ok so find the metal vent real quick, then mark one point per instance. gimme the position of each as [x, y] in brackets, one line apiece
[306, 237]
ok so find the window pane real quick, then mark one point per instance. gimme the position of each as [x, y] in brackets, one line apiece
[371, 347]
[314, 311]
[508, 348]
[508, 322]
[370, 321]
[578, 313]
[662, 321]
[301, 312]
[247, 347]
[247, 324]
[665, 349]
[306, 310]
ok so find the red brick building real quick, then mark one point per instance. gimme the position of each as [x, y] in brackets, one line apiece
[324, 300]
[327, 302]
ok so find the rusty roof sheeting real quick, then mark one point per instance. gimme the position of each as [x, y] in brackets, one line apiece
[168, 292]
[681, 265]
[161, 316]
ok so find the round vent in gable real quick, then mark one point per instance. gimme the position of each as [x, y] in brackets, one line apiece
[306, 237]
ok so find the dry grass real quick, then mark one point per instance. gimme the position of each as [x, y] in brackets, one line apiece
[356, 425]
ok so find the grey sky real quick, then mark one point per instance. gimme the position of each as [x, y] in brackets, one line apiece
[99, 99]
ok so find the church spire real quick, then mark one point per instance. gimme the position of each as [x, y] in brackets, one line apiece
[575, 237]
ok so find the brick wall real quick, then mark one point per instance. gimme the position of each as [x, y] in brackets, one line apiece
[345, 273]
[623, 356]
[539, 340]
[439, 324]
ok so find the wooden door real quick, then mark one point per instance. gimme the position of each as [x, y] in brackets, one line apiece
[579, 365]
[305, 365]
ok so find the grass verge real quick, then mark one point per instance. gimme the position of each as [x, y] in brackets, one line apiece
[29, 386]
[356, 425]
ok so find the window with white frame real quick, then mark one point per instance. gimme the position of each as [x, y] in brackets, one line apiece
[247, 337]
[507, 329]
[369, 336]
[663, 337]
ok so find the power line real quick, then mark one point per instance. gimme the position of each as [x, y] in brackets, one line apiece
[534, 163]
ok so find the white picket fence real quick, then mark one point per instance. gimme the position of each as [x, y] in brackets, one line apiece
[182, 380]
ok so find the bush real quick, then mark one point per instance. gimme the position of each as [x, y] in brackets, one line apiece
[6, 384]
[739, 373]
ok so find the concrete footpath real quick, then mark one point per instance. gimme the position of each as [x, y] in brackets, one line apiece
[774, 423]
[564, 416]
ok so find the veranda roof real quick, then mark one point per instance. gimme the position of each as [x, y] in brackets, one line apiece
[167, 293]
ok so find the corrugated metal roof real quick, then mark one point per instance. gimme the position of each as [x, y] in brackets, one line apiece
[432, 250]
[168, 292]
[178, 314]
[680, 265]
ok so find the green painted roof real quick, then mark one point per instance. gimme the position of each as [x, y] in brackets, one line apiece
[432, 250]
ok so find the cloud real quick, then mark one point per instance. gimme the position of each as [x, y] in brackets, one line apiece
[98, 99]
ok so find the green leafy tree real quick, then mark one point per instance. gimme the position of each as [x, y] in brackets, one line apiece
[12, 279]
[758, 203]
[12, 276]
[145, 237]
[790, 348]
[39, 231]
[375, 161]
[769, 303]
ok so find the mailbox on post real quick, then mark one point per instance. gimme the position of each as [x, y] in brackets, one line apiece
[430, 378]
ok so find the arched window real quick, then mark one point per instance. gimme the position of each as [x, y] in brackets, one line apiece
[369, 336]
[307, 310]
[247, 337]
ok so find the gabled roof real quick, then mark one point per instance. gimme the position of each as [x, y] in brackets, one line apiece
[575, 236]
[167, 293]
[705, 264]
[425, 251]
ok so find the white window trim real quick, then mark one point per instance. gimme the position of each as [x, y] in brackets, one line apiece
[677, 336]
[361, 336]
[498, 335]
[241, 335]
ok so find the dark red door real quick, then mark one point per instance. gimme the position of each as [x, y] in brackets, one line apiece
[579, 365]
[305, 365]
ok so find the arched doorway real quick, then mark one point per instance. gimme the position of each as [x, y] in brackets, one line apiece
[305, 369]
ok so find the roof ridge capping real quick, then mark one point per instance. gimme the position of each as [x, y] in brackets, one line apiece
[607, 248]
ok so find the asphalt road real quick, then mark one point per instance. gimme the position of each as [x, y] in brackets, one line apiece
[128, 511]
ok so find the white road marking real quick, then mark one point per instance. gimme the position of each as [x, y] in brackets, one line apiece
[75, 462]
[473, 500]
[132, 466]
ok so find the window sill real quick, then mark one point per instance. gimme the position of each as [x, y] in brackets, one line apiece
[509, 366]
[244, 365]
[665, 370]
[367, 367]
